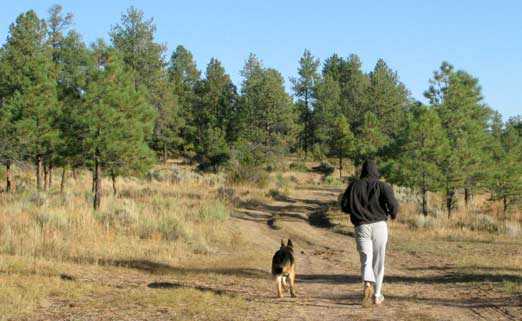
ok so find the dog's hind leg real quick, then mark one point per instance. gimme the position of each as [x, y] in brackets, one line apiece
[279, 286]
[292, 279]
[285, 283]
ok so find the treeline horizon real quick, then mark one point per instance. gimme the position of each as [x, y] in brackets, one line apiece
[118, 108]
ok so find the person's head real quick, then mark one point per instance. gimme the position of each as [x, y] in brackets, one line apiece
[369, 169]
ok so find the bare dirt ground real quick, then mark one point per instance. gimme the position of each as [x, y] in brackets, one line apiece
[424, 280]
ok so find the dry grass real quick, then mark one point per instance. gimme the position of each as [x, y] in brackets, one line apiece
[178, 217]
[161, 220]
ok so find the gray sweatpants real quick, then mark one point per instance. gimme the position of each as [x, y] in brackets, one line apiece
[371, 244]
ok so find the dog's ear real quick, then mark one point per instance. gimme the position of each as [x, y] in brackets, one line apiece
[282, 243]
[289, 244]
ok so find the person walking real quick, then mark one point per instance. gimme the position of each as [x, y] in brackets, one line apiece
[370, 201]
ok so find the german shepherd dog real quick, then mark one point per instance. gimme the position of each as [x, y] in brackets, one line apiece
[283, 268]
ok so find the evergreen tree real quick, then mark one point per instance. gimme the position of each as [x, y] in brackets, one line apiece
[342, 141]
[214, 111]
[70, 57]
[183, 77]
[268, 115]
[418, 164]
[505, 172]
[370, 140]
[143, 57]
[10, 147]
[28, 89]
[116, 119]
[458, 100]
[327, 109]
[387, 98]
[305, 89]
[354, 85]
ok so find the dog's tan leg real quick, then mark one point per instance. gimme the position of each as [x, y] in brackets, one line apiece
[292, 279]
[279, 286]
[285, 283]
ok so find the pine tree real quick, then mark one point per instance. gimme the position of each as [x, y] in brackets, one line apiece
[387, 98]
[458, 100]
[268, 115]
[418, 164]
[28, 89]
[10, 150]
[354, 85]
[342, 141]
[505, 171]
[70, 57]
[183, 77]
[215, 112]
[370, 140]
[327, 109]
[144, 59]
[305, 89]
[117, 121]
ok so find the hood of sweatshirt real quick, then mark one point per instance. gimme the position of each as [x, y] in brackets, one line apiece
[369, 170]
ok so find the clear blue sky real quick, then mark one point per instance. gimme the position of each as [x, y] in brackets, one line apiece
[413, 37]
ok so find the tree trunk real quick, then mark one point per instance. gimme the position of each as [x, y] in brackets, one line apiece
[505, 203]
[97, 184]
[62, 182]
[340, 168]
[74, 174]
[467, 196]
[164, 153]
[114, 190]
[45, 178]
[9, 187]
[450, 194]
[93, 187]
[39, 173]
[424, 192]
[50, 177]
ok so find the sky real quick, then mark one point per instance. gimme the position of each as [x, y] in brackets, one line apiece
[413, 37]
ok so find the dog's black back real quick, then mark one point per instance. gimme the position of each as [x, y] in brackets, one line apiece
[283, 257]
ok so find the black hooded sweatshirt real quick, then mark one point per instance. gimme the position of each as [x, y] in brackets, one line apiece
[368, 199]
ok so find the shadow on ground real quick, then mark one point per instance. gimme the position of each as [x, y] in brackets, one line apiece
[162, 268]
[169, 285]
[436, 279]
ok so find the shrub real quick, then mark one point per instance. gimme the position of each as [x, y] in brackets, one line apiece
[298, 167]
[213, 212]
[325, 168]
[239, 174]
[513, 229]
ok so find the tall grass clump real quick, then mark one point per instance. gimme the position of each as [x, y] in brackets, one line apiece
[147, 216]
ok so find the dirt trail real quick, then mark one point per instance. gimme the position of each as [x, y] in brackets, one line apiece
[328, 280]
